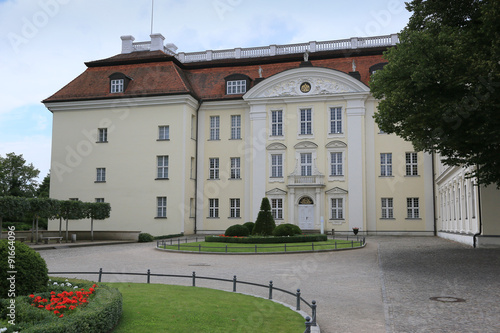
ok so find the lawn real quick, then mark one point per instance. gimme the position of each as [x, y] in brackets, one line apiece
[168, 308]
[260, 248]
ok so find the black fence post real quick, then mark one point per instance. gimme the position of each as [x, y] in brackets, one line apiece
[234, 283]
[308, 325]
[226, 248]
[352, 244]
[298, 300]
[255, 248]
[312, 246]
[313, 308]
[100, 274]
[270, 289]
[149, 275]
[178, 243]
[285, 247]
[199, 247]
[194, 279]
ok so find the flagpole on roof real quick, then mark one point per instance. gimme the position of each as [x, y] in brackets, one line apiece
[152, 10]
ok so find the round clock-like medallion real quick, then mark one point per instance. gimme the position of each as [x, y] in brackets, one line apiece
[305, 87]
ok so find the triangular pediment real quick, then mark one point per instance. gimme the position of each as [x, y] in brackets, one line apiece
[336, 144]
[306, 81]
[305, 145]
[276, 191]
[276, 146]
[336, 190]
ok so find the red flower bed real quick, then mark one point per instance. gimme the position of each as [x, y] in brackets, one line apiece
[63, 302]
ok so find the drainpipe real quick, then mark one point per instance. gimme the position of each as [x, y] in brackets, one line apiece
[434, 194]
[196, 170]
[478, 215]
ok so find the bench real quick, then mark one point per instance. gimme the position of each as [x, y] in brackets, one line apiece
[46, 239]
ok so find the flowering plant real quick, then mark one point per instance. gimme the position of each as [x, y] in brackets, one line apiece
[63, 302]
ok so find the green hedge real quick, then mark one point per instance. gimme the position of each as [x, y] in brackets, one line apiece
[267, 240]
[100, 315]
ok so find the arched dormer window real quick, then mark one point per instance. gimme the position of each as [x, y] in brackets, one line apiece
[237, 84]
[377, 67]
[118, 82]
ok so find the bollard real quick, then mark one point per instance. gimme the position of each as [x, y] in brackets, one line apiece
[308, 325]
[270, 289]
[100, 274]
[194, 279]
[234, 284]
[298, 300]
[149, 276]
[313, 307]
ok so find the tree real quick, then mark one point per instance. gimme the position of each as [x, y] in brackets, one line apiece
[44, 188]
[440, 88]
[264, 225]
[17, 178]
[96, 211]
[12, 206]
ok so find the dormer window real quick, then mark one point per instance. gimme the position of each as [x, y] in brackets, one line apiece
[237, 84]
[116, 86]
[118, 82]
[377, 67]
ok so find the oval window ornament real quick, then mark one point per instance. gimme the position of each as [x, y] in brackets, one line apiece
[305, 87]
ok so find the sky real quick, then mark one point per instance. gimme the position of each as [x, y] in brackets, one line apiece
[44, 43]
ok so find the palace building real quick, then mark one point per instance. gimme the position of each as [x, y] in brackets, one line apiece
[192, 142]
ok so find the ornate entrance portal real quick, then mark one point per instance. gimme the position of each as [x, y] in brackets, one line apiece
[306, 213]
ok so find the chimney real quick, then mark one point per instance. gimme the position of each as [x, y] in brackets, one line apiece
[157, 42]
[127, 44]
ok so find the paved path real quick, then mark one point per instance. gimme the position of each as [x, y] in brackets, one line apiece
[385, 287]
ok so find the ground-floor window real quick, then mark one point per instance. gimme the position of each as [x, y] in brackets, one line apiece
[277, 208]
[337, 206]
[412, 208]
[161, 207]
[235, 207]
[213, 210]
[387, 208]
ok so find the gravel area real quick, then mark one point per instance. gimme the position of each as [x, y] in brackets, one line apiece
[385, 287]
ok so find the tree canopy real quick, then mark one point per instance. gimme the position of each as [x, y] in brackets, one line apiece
[17, 178]
[441, 86]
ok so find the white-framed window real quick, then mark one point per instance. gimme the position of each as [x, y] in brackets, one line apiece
[306, 121]
[162, 167]
[336, 164]
[214, 127]
[411, 164]
[236, 87]
[101, 200]
[103, 135]
[234, 207]
[277, 123]
[101, 175]
[164, 132]
[116, 86]
[235, 168]
[235, 127]
[276, 165]
[412, 208]
[161, 206]
[306, 164]
[337, 207]
[213, 207]
[335, 120]
[386, 164]
[277, 208]
[387, 208]
[193, 127]
[192, 171]
[214, 168]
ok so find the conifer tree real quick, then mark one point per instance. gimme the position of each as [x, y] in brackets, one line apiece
[265, 222]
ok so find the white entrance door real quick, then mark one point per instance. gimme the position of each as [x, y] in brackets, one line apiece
[306, 217]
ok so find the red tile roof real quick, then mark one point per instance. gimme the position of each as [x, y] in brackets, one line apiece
[156, 73]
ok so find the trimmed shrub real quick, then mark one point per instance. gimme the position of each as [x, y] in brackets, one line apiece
[237, 230]
[250, 226]
[144, 237]
[267, 240]
[100, 315]
[31, 269]
[287, 229]
[264, 225]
